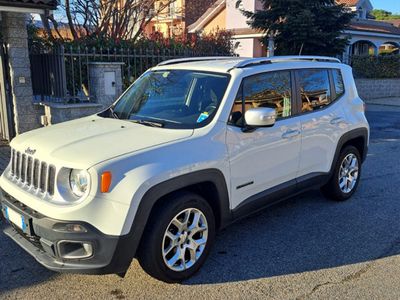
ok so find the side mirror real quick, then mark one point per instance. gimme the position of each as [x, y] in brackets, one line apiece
[260, 117]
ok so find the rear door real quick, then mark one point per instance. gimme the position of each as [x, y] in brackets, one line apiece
[323, 119]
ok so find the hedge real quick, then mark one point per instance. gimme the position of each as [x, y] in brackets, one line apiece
[383, 66]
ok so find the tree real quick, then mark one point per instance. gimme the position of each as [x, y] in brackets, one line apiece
[303, 26]
[119, 20]
[381, 14]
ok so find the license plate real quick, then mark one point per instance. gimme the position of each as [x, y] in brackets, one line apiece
[15, 218]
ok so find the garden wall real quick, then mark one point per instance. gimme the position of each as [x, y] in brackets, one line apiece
[378, 88]
[57, 112]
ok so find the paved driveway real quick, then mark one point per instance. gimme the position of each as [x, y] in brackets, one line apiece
[307, 247]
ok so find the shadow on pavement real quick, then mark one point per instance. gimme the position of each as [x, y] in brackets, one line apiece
[18, 268]
[304, 234]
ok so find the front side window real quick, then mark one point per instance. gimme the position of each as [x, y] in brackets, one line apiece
[173, 98]
[314, 89]
[272, 89]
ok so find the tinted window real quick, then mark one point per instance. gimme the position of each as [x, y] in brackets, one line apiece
[174, 98]
[314, 89]
[339, 84]
[271, 89]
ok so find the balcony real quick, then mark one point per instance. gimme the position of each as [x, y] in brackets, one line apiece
[167, 15]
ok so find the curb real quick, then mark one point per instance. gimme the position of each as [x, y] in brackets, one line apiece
[383, 104]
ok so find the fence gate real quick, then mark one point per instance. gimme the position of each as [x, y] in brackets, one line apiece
[6, 109]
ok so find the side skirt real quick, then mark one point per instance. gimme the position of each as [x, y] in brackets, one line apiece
[279, 193]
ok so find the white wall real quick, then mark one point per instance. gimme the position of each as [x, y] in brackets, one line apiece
[375, 39]
[246, 47]
[249, 47]
[234, 17]
[364, 6]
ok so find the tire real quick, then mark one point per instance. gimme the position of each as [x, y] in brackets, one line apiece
[338, 189]
[158, 250]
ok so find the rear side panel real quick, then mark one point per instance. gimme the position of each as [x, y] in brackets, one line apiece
[354, 107]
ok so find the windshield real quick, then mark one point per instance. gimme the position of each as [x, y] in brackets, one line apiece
[172, 98]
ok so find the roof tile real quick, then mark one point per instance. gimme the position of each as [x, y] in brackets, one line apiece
[375, 26]
[348, 2]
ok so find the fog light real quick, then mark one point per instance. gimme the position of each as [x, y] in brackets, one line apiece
[74, 249]
[75, 228]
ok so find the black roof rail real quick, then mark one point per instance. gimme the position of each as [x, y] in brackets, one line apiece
[194, 59]
[269, 60]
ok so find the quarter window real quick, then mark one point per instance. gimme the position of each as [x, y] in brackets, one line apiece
[272, 89]
[314, 89]
[338, 82]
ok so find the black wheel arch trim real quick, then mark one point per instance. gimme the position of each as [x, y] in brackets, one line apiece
[347, 137]
[129, 243]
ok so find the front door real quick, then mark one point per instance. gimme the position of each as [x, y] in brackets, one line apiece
[266, 157]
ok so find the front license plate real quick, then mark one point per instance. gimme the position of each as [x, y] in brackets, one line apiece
[15, 218]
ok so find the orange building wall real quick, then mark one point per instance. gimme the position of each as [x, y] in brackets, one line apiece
[219, 22]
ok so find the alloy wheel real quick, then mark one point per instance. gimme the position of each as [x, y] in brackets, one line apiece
[348, 173]
[185, 239]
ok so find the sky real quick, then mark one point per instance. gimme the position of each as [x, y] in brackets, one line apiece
[389, 5]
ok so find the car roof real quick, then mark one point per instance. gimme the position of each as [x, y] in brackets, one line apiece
[225, 64]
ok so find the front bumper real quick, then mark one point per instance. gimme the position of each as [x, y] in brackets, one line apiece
[41, 241]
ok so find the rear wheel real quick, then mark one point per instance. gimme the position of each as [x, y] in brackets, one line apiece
[346, 175]
[178, 237]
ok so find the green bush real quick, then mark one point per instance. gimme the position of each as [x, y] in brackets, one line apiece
[383, 66]
[216, 43]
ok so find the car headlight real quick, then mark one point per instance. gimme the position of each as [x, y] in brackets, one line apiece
[79, 182]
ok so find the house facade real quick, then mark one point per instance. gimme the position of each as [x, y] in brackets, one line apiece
[170, 21]
[366, 35]
[173, 20]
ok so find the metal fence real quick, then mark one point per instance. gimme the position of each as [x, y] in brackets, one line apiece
[61, 74]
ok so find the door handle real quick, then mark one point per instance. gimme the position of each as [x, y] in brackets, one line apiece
[336, 121]
[290, 134]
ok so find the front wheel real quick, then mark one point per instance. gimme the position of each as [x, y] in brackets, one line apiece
[346, 175]
[178, 237]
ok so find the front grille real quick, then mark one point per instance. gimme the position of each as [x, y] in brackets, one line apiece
[32, 172]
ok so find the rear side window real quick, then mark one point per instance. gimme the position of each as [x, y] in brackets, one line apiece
[314, 89]
[272, 89]
[338, 82]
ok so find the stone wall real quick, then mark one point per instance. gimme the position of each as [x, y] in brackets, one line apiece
[102, 90]
[378, 88]
[57, 113]
[26, 114]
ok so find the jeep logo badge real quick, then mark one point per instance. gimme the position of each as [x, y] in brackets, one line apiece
[30, 151]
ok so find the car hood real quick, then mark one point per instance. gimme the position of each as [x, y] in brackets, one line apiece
[88, 141]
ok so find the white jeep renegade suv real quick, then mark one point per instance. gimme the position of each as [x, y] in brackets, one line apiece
[191, 146]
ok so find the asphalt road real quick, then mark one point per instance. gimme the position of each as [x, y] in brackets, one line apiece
[304, 248]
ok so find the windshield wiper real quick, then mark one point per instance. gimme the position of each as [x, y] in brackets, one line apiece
[149, 123]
